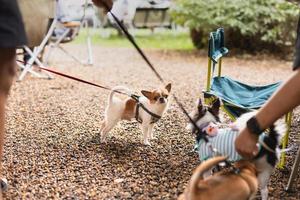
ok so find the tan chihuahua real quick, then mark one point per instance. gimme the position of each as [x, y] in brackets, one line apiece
[222, 185]
[149, 108]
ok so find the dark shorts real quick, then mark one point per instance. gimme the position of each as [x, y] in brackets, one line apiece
[296, 64]
[12, 33]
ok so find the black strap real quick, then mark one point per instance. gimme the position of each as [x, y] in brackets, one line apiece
[149, 112]
[154, 117]
[138, 119]
[135, 97]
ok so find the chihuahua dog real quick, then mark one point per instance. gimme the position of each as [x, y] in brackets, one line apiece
[268, 155]
[226, 185]
[147, 110]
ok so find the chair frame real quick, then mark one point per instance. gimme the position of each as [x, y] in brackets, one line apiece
[215, 56]
[28, 67]
[57, 44]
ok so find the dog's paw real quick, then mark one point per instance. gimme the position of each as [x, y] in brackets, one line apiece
[4, 184]
[147, 143]
[103, 139]
[189, 127]
[152, 137]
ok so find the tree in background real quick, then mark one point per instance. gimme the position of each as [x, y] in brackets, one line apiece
[252, 25]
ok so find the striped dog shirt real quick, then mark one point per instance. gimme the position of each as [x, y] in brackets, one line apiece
[223, 142]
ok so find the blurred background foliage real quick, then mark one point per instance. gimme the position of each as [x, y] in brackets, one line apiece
[251, 25]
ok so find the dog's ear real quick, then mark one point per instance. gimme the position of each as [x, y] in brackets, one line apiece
[216, 107]
[147, 94]
[200, 105]
[168, 87]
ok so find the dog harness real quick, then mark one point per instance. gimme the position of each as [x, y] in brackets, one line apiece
[154, 117]
[223, 142]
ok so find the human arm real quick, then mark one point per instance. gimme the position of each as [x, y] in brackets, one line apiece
[103, 3]
[284, 100]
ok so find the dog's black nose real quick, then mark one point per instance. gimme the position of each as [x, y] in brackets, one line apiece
[162, 100]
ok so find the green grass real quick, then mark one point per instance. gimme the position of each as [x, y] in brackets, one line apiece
[160, 39]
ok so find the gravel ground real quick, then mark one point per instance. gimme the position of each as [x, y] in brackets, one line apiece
[53, 150]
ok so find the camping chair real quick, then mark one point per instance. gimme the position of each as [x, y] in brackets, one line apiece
[70, 31]
[237, 97]
[37, 31]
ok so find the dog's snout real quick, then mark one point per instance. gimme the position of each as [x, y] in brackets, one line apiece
[162, 100]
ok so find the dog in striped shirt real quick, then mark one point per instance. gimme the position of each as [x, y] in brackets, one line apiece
[223, 141]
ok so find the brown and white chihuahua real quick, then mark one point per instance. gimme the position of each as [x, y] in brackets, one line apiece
[155, 101]
[226, 185]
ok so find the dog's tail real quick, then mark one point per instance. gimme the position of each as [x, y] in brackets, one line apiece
[122, 89]
[204, 167]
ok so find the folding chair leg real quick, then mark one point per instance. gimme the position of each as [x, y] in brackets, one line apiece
[90, 52]
[37, 51]
[89, 45]
[209, 74]
[29, 70]
[288, 119]
[56, 44]
[33, 58]
[49, 76]
[294, 172]
[67, 53]
[28, 66]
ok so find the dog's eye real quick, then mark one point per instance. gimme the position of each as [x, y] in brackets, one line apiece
[165, 96]
[156, 98]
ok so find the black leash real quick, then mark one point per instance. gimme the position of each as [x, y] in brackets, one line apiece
[133, 42]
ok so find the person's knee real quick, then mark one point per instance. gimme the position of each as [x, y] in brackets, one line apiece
[7, 69]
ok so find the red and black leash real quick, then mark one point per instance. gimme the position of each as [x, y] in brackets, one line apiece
[77, 79]
[133, 96]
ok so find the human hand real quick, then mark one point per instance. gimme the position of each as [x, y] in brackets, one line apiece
[246, 144]
[103, 3]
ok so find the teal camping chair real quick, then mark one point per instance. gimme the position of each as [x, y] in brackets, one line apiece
[237, 97]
